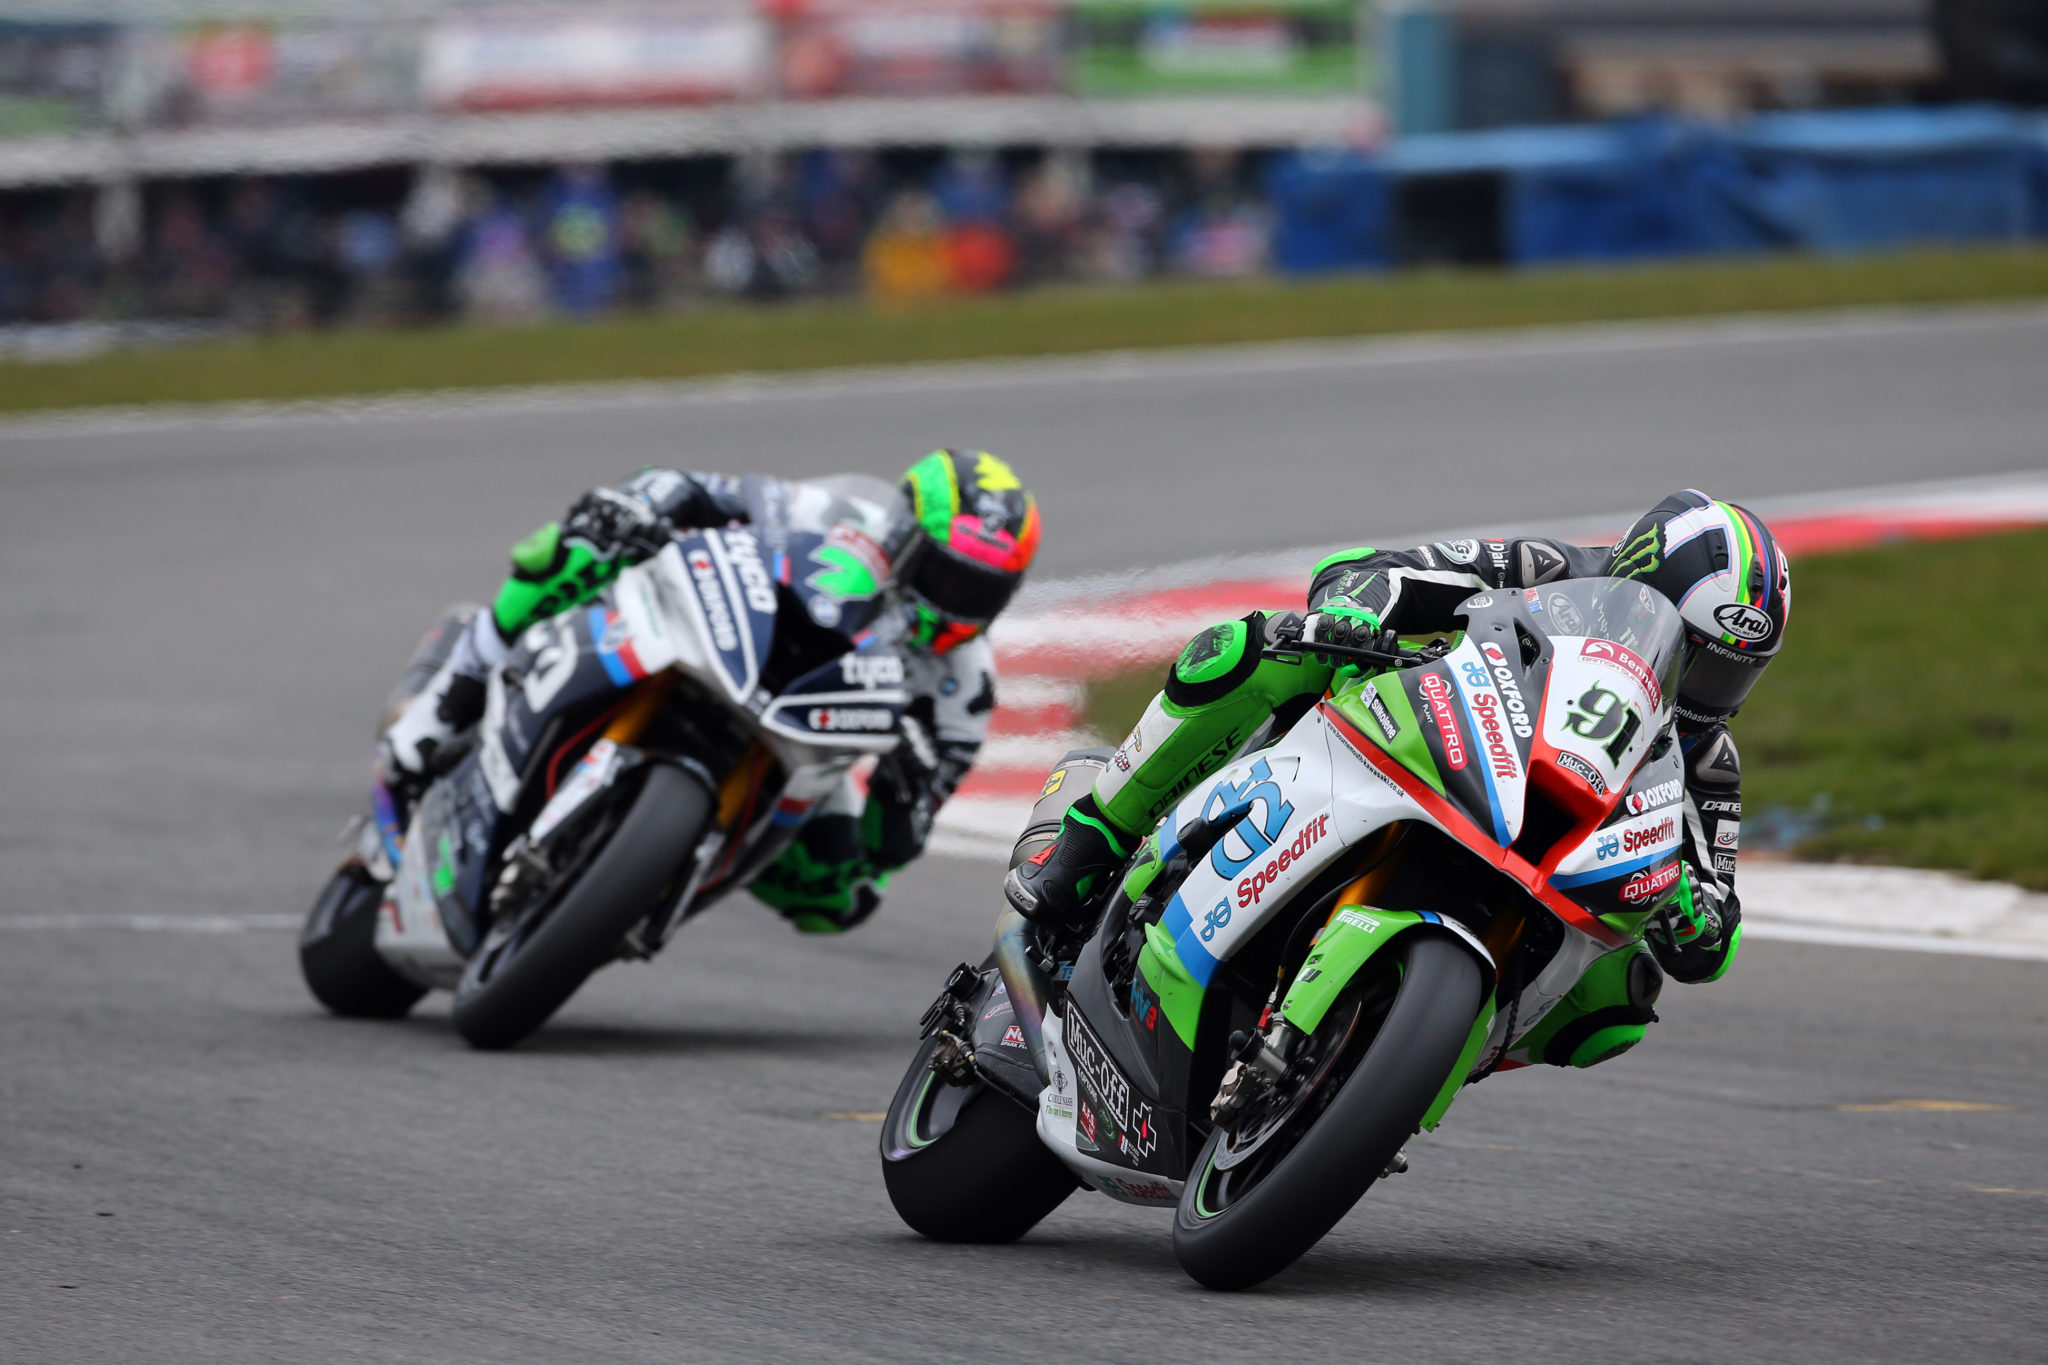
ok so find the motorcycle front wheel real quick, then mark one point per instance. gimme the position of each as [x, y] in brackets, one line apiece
[529, 965]
[964, 1163]
[1255, 1204]
[338, 952]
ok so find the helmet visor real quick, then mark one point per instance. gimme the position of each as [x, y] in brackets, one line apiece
[1717, 679]
[955, 587]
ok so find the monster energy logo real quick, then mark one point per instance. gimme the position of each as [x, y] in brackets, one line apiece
[1638, 557]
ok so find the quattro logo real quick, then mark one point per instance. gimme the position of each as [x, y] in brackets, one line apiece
[1649, 883]
[1436, 693]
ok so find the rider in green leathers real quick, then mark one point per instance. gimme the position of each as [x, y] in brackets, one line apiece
[1715, 561]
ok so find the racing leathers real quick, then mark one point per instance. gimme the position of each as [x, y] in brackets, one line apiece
[832, 874]
[1220, 690]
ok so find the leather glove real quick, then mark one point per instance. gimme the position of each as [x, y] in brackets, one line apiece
[610, 522]
[1692, 933]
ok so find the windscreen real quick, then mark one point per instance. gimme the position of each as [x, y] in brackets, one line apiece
[1630, 614]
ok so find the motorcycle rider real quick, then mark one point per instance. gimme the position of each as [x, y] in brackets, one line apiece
[1714, 560]
[957, 541]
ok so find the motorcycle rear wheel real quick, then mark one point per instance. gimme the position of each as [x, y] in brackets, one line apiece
[964, 1163]
[1233, 1239]
[521, 975]
[338, 952]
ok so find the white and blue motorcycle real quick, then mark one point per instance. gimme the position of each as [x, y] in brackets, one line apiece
[639, 756]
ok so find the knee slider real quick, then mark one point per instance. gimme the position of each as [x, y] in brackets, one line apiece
[1216, 662]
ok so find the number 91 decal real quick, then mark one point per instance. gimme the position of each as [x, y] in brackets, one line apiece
[1601, 716]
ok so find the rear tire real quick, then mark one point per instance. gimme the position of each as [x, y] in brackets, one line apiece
[511, 989]
[338, 952]
[964, 1163]
[1267, 1228]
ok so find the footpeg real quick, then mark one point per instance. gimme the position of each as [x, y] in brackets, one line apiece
[951, 1006]
[1398, 1165]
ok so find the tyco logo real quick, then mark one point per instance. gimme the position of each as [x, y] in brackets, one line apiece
[1256, 832]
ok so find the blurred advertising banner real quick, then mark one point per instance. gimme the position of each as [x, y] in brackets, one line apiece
[917, 47]
[1127, 47]
[266, 72]
[54, 78]
[674, 55]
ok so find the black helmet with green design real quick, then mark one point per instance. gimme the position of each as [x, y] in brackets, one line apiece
[1730, 580]
[963, 537]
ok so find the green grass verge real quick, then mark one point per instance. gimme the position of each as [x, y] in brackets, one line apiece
[1902, 724]
[730, 339]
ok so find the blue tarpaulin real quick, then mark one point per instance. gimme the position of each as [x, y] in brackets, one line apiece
[1830, 182]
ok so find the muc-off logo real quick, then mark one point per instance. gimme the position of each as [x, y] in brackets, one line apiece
[1510, 691]
[1251, 890]
[1486, 709]
[1438, 694]
[1571, 762]
[1258, 831]
[1097, 1072]
[755, 584]
[711, 595]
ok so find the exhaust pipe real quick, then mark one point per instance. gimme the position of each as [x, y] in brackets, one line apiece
[1027, 986]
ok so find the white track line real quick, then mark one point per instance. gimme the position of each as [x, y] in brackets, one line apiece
[1191, 362]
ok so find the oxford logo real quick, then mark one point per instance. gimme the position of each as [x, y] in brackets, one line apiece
[1743, 621]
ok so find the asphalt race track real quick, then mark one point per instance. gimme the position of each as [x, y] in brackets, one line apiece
[199, 623]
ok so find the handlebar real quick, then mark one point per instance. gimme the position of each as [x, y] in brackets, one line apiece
[1340, 637]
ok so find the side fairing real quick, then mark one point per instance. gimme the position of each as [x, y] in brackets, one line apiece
[1629, 863]
[1302, 817]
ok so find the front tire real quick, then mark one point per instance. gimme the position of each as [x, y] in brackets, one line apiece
[964, 1163]
[338, 952]
[1231, 1239]
[521, 975]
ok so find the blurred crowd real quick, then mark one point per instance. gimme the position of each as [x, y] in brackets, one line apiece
[581, 240]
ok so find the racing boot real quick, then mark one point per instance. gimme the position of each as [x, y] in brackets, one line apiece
[448, 707]
[1058, 888]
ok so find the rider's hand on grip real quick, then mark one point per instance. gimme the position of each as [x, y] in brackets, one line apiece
[610, 521]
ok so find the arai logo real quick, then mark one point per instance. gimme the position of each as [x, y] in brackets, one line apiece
[1743, 621]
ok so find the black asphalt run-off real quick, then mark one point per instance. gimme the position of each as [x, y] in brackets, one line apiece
[199, 624]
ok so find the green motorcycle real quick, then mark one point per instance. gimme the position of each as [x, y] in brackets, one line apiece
[1441, 871]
